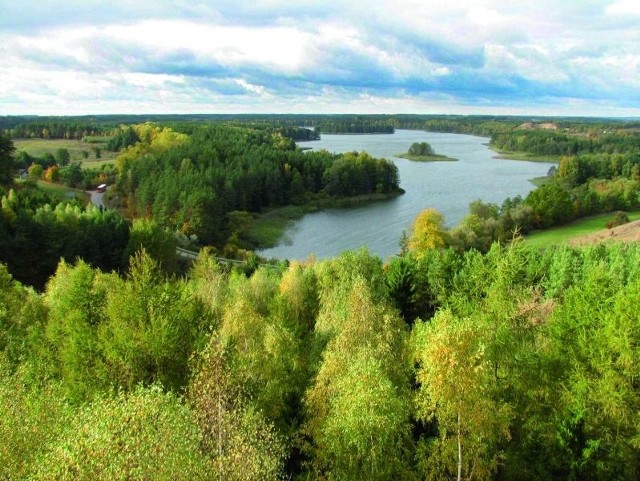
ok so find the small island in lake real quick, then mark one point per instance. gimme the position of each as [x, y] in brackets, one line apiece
[423, 152]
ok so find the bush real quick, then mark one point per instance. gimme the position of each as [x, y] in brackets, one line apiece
[619, 218]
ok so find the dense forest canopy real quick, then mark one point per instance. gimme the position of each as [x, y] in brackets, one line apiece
[513, 364]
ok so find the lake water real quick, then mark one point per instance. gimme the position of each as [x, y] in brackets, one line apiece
[447, 186]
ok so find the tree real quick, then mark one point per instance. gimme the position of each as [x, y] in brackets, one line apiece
[153, 326]
[35, 171]
[266, 351]
[62, 157]
[453, 377]
[243, 445]
[421, 149]
[6, 159]
[32, 418]
[428, 231]
[52, 174]
[146, 434]
[76, 298]
[358, 405]
[408, 289]
[157, 242]
[551, 204]
[72, 174]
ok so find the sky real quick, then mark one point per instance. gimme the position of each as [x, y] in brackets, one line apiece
[542, 57]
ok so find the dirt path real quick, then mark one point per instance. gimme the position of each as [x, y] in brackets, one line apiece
[629, 232]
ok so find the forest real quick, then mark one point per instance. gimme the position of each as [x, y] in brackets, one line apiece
[466, 356]
[513, 364]
[191, 179]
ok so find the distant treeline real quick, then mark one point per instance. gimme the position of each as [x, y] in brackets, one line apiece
[554, 143]
[354, 126]
[79, 126]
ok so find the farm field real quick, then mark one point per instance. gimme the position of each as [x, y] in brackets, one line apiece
[40, 147]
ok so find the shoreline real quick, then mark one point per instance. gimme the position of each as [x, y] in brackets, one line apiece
[426, 158]
[523, 155]
[268, 227]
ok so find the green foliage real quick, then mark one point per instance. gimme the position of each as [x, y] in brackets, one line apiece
[153, 326]
[32, 418]
[105, 332]
[192, 183]
[35, 171]
[6, 160]
[62, 156]
[76, 299]
[619, 218]
[354, 126]
[520, 364]
[125, 137]
[146, 434]
[38, 232]
[240, 442]
[71, 175]
[551, 205]
[527, 359]
[409, 289]
[421, 149]
[358, 411]
[157, 243]
[21, 319]
[359, 174]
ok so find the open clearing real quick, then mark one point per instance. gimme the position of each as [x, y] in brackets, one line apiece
[587, 230]
[39, 147]
[62, 192]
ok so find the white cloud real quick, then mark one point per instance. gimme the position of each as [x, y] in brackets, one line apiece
[151, 80]
[318, 55]
[624, 7]
[279, 47]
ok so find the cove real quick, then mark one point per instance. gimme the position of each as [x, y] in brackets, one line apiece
[446, 186]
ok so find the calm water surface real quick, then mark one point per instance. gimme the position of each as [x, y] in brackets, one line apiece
[447, 186]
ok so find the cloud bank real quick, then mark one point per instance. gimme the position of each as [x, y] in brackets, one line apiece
[416, 56]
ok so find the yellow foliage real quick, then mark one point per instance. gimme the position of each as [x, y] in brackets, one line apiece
[153, 139]
[428, 231]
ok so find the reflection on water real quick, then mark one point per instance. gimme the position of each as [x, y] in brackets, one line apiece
[447, 186]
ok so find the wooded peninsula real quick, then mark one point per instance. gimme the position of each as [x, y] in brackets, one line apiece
[469, 355]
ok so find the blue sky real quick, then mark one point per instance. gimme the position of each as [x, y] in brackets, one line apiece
[543, 57]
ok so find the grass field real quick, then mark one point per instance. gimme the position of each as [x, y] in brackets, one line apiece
[39, 147]
[268, 228]
[577, 228]
[540, 181]
[62, 192]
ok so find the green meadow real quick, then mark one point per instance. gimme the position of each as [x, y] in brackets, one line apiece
[578, 228]
[40, 147]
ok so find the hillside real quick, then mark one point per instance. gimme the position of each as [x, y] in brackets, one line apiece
[629, 232]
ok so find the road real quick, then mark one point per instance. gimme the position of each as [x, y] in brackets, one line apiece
[97, 198]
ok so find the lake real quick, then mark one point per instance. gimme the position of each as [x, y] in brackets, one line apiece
[447, 186]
